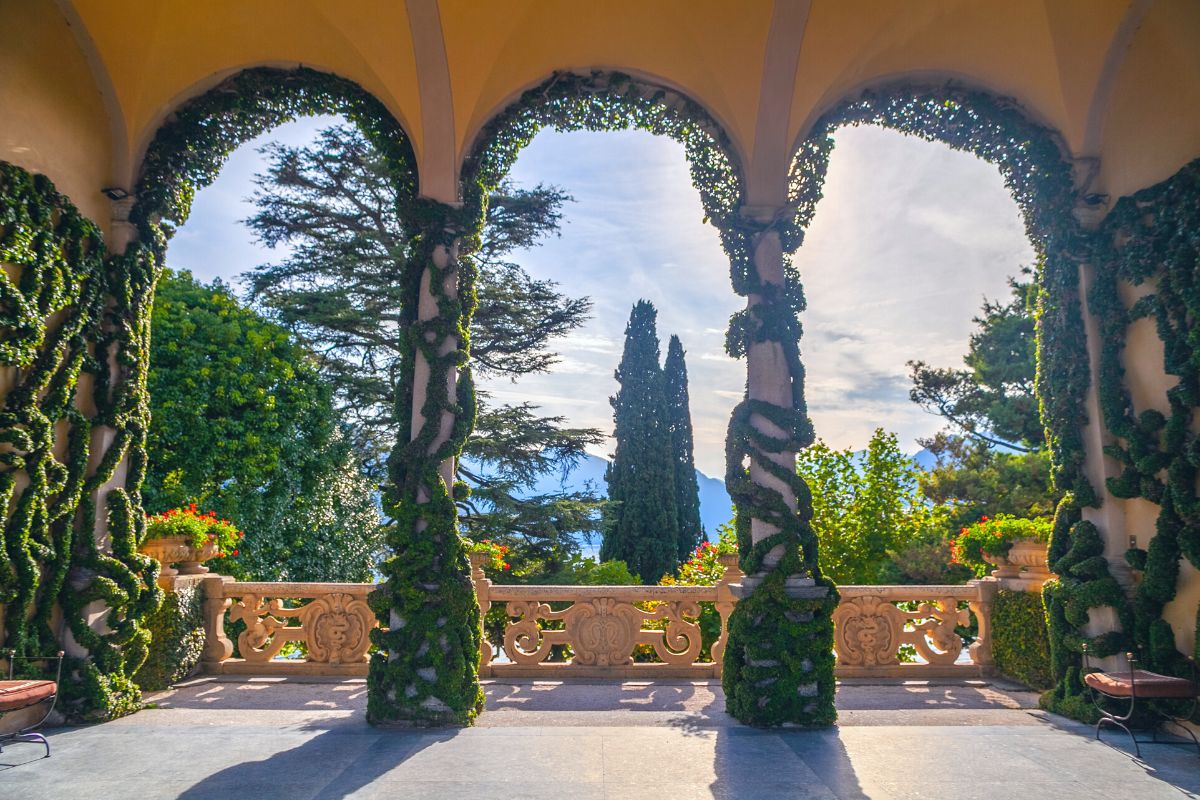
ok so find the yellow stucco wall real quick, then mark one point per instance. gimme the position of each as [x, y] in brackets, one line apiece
[710, 49]
[1153, 126]
[52, 117]
[160, 54]
[1046, 59]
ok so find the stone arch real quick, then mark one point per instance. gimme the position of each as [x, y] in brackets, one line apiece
[1046, 183]
[608, 100]
[1038, 166]
[787, 605]
[189, 148]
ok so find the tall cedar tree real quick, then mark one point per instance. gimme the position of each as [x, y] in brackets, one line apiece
[687, 488]
[993, 400]
[641, 527]
[333, 207]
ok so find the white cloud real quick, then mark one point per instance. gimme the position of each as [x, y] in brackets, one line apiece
[907, 240]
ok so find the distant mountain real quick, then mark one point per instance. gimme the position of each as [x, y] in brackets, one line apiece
[925, 459]
[715, 506]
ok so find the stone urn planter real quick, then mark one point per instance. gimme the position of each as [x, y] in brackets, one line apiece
[1027, 559]
[178, 550]
[1032, 557]
[1003, 567]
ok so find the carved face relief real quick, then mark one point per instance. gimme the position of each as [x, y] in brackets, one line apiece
[603, 632]
[338, 628]
[866, 632]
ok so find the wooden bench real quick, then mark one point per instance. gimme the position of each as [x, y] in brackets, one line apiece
[18, 693]
[1144, 685]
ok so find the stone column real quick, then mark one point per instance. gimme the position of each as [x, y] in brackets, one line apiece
[769, 380]
[778, 661]
[427, 667]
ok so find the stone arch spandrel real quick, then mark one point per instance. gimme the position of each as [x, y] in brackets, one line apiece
[162, 54]
[54, 118]
[710, 51]
[1151, 127]
[1010, 49]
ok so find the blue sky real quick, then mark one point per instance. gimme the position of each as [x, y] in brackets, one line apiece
[908, 239]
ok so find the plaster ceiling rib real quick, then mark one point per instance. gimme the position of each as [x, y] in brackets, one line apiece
[437, 159]
[121, 167]
[767, 170]
[1135, 14]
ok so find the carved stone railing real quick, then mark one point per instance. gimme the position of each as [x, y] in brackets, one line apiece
[597, 631]
[872, 631]
[602, 627]
[333, 626]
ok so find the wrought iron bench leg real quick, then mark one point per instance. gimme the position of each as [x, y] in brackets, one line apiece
[1109, 718]
[32, 738]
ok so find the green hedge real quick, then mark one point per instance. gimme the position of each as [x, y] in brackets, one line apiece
[1020, 638]
[177, 638]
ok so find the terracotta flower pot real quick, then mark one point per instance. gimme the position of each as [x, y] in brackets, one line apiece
[177, 550]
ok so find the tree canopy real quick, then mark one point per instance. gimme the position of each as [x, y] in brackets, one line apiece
[866, 506]
[331, 208]
[679, 418]
[243, 424]
[993, 400]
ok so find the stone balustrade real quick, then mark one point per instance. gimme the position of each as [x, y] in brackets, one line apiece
[912, 631]
[331, 620]
[597, 631]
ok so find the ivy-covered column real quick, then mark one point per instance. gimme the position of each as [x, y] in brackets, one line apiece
[778, 665]
[426, 671]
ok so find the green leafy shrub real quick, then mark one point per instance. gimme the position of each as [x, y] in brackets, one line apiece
[1021, 638]
[177, 638]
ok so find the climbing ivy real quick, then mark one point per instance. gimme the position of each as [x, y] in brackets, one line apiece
[1033, 162]
[176, 638]
[63, 310]
[1152, 239]
[427, 667]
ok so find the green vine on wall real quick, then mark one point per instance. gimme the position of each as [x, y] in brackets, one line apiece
[186, 155]
[1152, 239]
[62, 307]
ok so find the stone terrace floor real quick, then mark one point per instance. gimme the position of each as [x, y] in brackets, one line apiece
[261, 739]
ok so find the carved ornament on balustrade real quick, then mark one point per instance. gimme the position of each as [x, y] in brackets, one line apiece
[869, 630]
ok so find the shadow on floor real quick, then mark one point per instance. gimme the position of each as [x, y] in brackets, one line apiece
[699, 699]
[330, 766]
[1173, 759]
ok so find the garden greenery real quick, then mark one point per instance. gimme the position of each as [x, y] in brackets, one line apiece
[197, 527]
[1152, 240]
[995, 536]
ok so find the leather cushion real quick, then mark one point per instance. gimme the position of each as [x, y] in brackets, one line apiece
[19, 694]
[1143, 683]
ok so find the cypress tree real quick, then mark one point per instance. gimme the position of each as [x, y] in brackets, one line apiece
[679, 418]
[640, 524]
